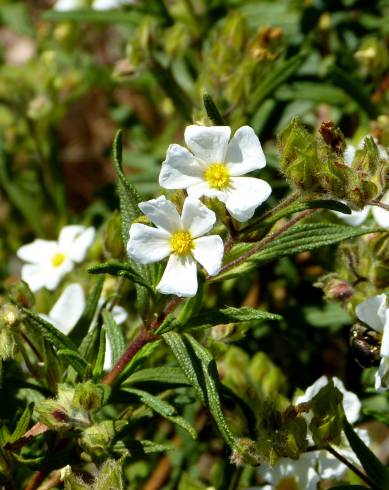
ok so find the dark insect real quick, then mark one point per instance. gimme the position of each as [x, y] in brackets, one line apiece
[365, 345]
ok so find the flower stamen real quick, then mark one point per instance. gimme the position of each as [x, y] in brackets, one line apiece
[181, 242]
[58, 259]
[217, 176]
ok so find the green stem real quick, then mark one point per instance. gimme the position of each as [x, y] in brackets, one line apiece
[353, 468]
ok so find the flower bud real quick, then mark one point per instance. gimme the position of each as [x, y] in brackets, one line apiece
[327, 422]
[89, 396]
[112, 237]
[20, 293]
[334, 287]
[97, 439]
[269, 378]
[245, 452]
[9, 316]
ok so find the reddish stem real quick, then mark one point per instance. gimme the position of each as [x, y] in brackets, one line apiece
[36, 480]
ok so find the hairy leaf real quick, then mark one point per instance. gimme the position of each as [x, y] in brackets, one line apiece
[115, 336]
[121, 269]
[163, 375]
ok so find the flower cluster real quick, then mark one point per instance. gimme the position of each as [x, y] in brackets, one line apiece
[213, 166]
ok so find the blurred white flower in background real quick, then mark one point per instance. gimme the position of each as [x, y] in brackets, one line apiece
[65, 5]
[49, 261]
[179, 237]
[214, 167]
[375, 313]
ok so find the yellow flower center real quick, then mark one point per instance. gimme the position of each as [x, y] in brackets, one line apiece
[181, 242]
[57, 259]
[217, 176]
[288, 483]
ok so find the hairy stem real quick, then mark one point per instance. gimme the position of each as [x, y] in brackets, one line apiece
[380, 204]
[353, 468]
[265, 241]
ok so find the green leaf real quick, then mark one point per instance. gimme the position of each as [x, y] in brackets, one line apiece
[299, 238]
[212, 111]
[121, 269]
[89, 16]
[161, 375]
[150, 447]
[163, 408]
[229, 314]
[79, 332]
[375, 470]
[348, 487]
[115, 336]
[200, 369]
[22, 425]
[278, 75]
[99, 364]
[355, 89]
[75, 359]
[145, 353]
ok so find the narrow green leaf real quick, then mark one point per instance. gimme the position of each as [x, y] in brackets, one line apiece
[200, 369]
[75, 359]
[145, 353]
[355, 89]
[122, 269]
[279, 75]
[150, 447]
[298, 239]
[83, 325]
[23, 424]
[162, 375]
[89, 16]
[348, 487]
[375, 470]
[115, 336]
[99, 364]
[212, 111]
[229, 315]
[163, 408]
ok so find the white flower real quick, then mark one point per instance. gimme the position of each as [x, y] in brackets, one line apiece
[351, 403]
[65, 5]
[215, 167]
[356, 218]
[120, 316]
[375, 313]
[291, 474]
[49, 261]
[110, 4]
[181, 238]
[68, 308]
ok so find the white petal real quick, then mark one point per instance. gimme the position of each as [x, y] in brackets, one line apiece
[34, 276]
[196, 217]
[329, 466]
[147, 245]
[74, 241]
[245, 152]
[119, 314]
[38, 252]
[180, 169]
[349, 154]
[245, 196]
[106, 4]
[372, 312]
[68, 308]
[54, 275]
[64, 5]
[385, 336]
[351, 403]
[208, 143]
[203, 189]
[209, 252]
[108, 364]
[312, 390]
[381, 216]
[382, 375]
[162, 213]
[180, 277]
[356, 218]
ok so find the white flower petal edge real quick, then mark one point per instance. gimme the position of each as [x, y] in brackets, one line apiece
[68, 308]
[209, 144]
[180, 277]
[246, 195]
[147, 245]
[162, 213]
[37, 252]
[180, 168]
[74, 241]
[382, 375]
[196, 217]
[245, 152]
[208, 251]
[356, 218]
[351, 403]
[381, 216]
[64, 5]
[372, 312]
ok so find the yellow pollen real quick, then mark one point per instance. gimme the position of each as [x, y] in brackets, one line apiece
[288, 483]
[181, 242]
[217, 176]
[58, 259]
